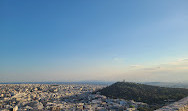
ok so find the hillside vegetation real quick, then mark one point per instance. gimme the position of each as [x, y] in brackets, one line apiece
[151, 95]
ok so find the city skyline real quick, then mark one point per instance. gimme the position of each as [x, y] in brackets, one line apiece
[140, 41]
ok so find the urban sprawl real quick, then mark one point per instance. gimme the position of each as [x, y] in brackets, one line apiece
[66, 97]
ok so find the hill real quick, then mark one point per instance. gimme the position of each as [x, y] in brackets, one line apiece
[152, 95]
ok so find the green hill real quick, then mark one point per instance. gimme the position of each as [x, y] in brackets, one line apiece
[152, 95]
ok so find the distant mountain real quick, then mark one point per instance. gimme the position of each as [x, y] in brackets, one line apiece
[152, 95]
[79, 82]
[169, 84]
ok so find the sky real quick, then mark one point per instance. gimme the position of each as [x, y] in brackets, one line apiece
[84, 40]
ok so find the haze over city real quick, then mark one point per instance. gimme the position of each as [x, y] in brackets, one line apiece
[143, 41]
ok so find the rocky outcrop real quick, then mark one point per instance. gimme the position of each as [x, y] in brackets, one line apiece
[181, 105]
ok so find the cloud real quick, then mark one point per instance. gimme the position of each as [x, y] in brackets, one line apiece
[118, 59]
[152, 68]
[135, 67]
[181, 61]
[176, 70]
[186, 60]
[176, 65]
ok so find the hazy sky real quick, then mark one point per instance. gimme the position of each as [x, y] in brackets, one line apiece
[110, 40]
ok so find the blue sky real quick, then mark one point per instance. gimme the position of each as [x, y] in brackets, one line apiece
[108, 40]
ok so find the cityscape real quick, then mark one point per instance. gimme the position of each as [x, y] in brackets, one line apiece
[44, 97]
[68, 97]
